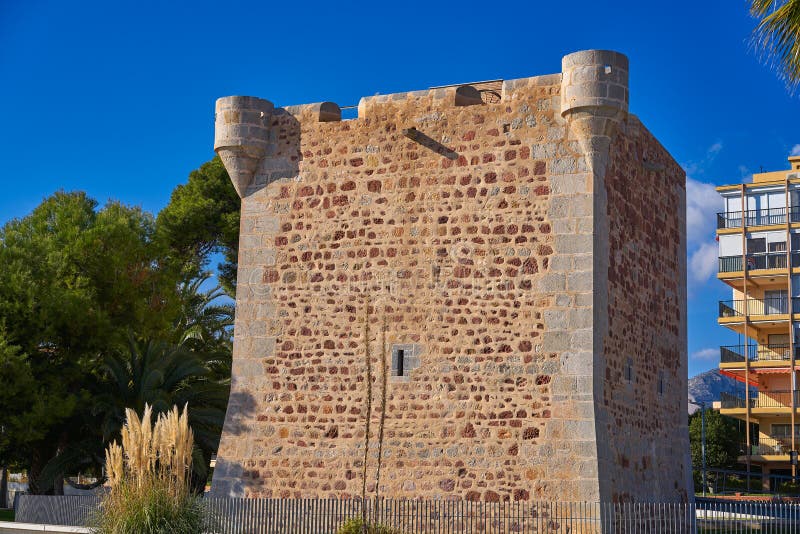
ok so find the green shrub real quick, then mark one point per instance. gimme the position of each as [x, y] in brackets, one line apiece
[789, 488]
[355, 526]
[152, 508]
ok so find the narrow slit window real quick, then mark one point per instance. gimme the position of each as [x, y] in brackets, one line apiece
[399, 366]
[405, 358]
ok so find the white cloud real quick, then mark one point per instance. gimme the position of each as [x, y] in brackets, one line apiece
[703, 262]
[702, 205]
[796, 150]
[706, 354]
[699, 167]
[713, 150]
[747, 175]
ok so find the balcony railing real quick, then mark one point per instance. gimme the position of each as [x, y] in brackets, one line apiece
[767, 306]
[756, 353]
[762, 399]
[770, 446]
[730, 264]
[734, 219]
[755, 262]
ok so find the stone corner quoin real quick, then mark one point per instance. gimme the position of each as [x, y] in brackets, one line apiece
[522, 245]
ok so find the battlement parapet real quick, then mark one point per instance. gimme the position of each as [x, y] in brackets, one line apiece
[593, 89]
[320, 111]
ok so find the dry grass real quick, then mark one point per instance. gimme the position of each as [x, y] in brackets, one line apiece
[149, 478]
[358, 526]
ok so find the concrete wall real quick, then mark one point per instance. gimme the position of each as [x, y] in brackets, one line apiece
[9, 527]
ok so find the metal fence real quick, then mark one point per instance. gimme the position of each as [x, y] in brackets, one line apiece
[307, 516]
[69, 510]
[320, 516]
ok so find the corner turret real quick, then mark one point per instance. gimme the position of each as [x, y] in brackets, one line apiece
[241, 135]
[594, 95]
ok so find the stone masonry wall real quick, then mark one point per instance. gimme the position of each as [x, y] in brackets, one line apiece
[528, 251]
[465, 242]
[643, 402]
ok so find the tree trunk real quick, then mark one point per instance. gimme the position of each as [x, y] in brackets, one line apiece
[3, 487]
[58, 486]
[34, 470]
[38, 459]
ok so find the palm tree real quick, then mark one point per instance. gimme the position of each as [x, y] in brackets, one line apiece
[164, 375]
[205, 317]
[205, 324]
[192, 366]
[777, 36]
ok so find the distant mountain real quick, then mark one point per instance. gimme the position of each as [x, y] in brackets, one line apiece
[706, 388]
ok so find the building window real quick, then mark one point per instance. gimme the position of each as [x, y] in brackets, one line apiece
[405, 358]
[402, 359]
[795, 241]
[661, 383]
[398, 362]
[756, 245]
[779, 246]
[782, 431]
[629, 370]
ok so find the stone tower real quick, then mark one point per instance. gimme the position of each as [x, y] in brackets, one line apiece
[521, 247]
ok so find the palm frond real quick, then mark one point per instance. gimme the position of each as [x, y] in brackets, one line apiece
[777, 37]
[759, 8]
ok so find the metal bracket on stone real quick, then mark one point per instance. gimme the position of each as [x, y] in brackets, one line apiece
[411, 133]
[419, 137]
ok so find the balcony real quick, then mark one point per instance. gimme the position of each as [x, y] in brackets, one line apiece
[734, 219]
[756, 262]
[763, 399]
[756, 353]
[767, 306]
[771, 446]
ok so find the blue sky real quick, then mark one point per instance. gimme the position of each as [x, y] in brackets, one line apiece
[116, 98]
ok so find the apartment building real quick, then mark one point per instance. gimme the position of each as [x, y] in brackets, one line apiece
[759, 258]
